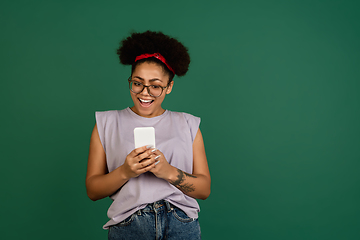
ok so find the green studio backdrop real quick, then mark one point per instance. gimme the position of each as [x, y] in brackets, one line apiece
[276, 84]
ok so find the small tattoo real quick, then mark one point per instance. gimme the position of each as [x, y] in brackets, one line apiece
[179, 182]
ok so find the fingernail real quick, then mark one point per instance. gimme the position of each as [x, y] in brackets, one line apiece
[149, 146]
[157, 157]
[157, 162]
[153, 150]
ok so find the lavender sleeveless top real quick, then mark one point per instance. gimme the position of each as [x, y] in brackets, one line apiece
[174, 136]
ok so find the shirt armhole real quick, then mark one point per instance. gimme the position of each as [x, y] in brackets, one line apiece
[100, 118]
[193, 123]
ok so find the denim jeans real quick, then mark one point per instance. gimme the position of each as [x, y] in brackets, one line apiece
[158, 220]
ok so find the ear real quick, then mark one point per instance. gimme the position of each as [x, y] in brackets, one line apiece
[169, 88]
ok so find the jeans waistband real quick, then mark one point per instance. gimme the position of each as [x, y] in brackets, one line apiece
[158, 206]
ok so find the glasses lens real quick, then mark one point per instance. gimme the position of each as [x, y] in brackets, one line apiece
[137, 87]
[155, 90]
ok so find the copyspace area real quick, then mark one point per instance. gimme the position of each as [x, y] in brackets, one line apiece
[276, 84]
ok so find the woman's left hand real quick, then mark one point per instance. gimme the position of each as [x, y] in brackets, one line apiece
[162, 168]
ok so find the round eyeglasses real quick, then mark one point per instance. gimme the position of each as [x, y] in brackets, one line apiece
[153, 90]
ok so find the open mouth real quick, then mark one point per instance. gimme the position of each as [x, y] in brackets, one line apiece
[145, 102]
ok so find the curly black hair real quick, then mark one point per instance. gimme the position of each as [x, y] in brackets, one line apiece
[175, 53]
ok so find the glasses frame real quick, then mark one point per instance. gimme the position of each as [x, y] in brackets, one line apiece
[147, 87]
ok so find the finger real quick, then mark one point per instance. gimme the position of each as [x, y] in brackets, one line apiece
[148, 168]
[139, 150]
[145, 155]
[147, 162]
[157, 152]
[157, 159]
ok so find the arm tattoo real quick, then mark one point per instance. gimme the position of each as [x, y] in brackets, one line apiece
[179, 182]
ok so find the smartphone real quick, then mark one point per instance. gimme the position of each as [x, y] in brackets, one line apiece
[144, 136]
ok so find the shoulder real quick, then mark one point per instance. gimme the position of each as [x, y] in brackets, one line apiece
[183, 115]
[107, 117]
[110, 113]
[189, 120]
[107, 113]
[189, 117]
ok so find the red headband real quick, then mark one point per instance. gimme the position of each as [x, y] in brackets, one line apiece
[155, 55]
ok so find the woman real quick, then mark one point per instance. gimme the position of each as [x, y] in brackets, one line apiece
[153, 189]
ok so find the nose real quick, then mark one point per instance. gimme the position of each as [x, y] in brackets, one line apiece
[145, 91]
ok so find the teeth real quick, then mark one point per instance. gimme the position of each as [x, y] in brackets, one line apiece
[146, 101]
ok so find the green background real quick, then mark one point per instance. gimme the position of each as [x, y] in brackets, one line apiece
[276, 84]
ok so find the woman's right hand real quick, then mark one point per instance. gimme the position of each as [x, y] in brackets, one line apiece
[139, 161]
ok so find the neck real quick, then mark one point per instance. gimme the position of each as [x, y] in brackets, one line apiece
[150, 115]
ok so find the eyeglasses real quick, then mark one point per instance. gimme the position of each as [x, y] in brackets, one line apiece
[153, 90]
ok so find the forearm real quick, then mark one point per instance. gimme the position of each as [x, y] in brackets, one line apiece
[193, 185]
[101, 186]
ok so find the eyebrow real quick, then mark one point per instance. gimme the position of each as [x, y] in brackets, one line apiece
[151, 80]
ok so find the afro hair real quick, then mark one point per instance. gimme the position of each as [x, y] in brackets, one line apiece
[175, 53]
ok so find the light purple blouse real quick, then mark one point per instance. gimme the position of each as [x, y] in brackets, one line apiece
[174, 136]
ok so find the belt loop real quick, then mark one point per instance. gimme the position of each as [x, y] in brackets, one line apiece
[168, 206]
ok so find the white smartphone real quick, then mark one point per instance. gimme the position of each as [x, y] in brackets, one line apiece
[144, 136]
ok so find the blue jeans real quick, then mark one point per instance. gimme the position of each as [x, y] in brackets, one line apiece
[158, 220]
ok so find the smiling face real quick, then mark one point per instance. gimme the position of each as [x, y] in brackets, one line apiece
[149, 74]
